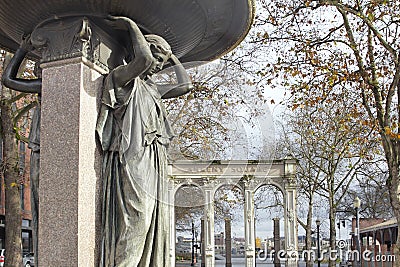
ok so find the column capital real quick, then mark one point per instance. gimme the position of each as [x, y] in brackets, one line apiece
[209, 182]
[71, 37]
[247, 181]
[228, 217]
[290, 182]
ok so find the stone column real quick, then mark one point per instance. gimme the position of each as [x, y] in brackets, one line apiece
[202, 241]
[70, 161]
[209, 226]
[228, 242]
[249, 232]
[291, 237]
[171, 202]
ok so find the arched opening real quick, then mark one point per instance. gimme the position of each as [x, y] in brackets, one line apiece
[269, 217]
[189, 206]
[229, 224]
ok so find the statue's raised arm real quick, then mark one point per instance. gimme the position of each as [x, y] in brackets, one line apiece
[134, 132]
[184, 84]
[142, 58]
[9, 77]
[151, 53]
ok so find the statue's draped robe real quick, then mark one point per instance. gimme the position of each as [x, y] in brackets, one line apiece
[134, 132]
[34, 145]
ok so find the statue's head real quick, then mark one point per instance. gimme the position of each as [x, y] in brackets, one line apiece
[158, 44]
[161, 51]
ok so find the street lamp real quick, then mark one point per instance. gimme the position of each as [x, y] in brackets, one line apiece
[357, 204]
[193, 260]
[196, 246]
[318, 222]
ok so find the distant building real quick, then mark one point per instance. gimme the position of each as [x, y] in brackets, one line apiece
[378, 236]
[219, 243]
[238, 246]
[183, 245]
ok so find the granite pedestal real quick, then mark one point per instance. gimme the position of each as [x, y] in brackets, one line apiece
[69, 191]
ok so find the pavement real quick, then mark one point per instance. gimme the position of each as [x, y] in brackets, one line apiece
[239, 262]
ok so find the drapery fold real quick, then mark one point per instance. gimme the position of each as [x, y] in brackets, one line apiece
[134, 134]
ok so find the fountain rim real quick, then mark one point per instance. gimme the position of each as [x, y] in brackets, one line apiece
[9, 44]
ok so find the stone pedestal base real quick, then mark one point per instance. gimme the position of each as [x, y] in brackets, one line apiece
[277, 242]
[228, 242]
[69, 191]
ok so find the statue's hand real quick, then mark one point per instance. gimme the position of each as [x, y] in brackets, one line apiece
[120, 22]
[174, 60]
[26, 43]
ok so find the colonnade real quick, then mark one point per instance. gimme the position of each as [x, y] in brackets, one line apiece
[209, 176]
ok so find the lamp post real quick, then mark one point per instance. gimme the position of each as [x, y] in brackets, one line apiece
[192, 264]
[318, 222]
[196, 246]
[357, 204]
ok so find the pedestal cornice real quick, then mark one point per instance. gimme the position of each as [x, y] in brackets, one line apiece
[77, 37]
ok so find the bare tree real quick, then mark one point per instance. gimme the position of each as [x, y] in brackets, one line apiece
[206, 119]
[331, 145]
[325, 45]
[372, 190]
[15, 117]
[11, 175]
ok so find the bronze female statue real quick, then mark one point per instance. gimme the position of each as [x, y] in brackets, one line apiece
[134, 133]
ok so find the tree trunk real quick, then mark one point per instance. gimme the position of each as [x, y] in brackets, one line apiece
[392, 157]
[309, 260]
[13, 218]
[332, 232]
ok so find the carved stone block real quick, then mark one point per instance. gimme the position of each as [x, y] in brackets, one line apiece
[78, 37]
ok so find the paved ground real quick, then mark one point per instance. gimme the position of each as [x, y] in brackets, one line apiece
[239, 262]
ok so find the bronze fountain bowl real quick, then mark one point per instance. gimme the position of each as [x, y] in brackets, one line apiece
[197, 30]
